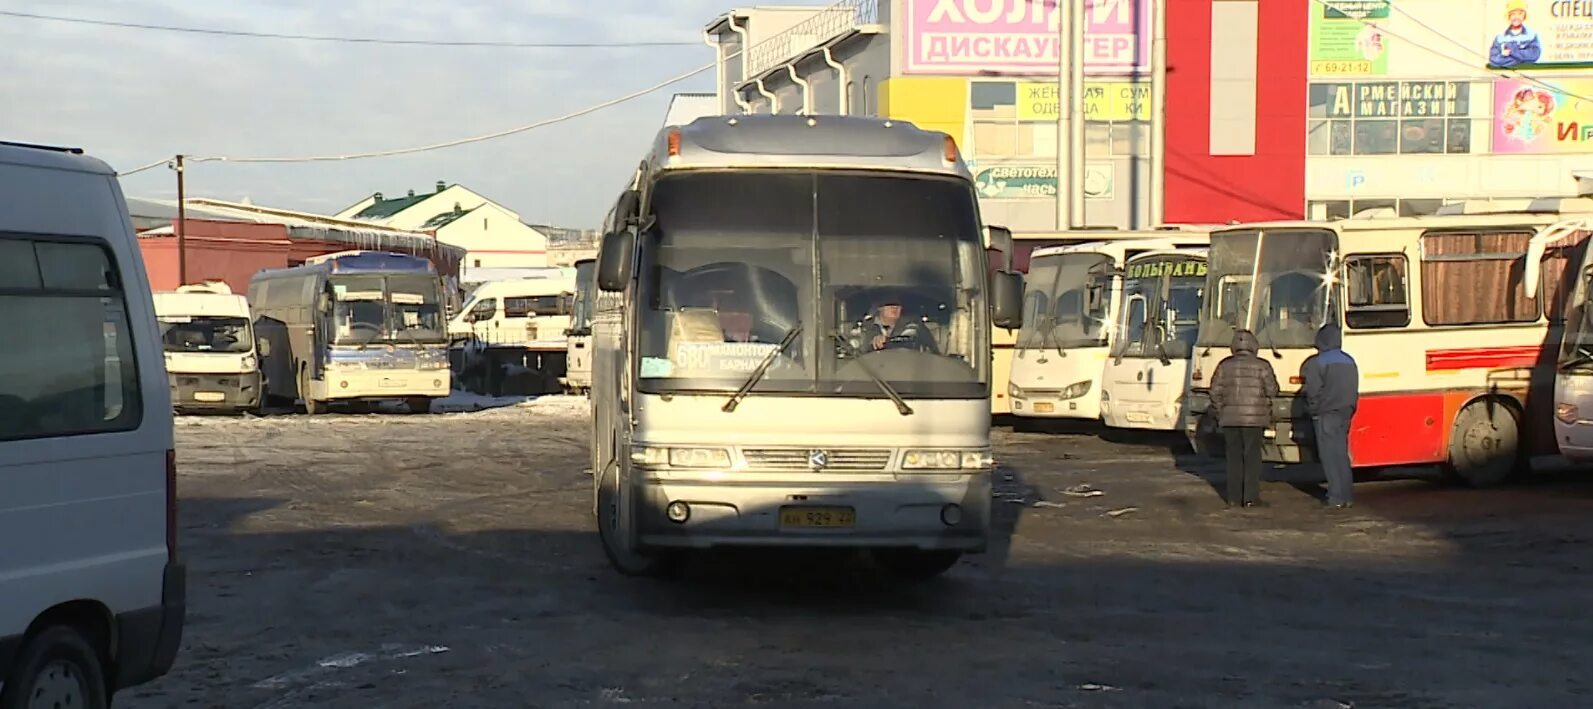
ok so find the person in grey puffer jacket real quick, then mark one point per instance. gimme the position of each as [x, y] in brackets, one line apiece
[1332, 386]
[1241, 393]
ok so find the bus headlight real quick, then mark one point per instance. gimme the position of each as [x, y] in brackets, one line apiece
[249, 362]
[1074, 391]
[1014, 391]
[1567, 413]
[929, 459]
[661, 456]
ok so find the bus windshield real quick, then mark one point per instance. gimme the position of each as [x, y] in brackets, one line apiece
[391, 309]
[1066, 301]
[1161, 307]
[182, 333]
[1293, 299]
[1576, 347]
[840, 280]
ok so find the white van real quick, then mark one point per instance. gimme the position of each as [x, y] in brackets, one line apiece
[92, 594]
[522, 312]
[210, 348]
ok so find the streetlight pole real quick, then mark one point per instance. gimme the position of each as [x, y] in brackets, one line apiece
[1158, 148]
[182, 250]
[1064, 114]
[1076, 107]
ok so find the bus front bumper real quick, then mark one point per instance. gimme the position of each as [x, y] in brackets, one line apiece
[1031, 403]
[1146, 415]
[214, 392]
[340, 384]
[929, 512]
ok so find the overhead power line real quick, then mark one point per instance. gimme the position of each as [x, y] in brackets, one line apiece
[345, 40]
[446, 144]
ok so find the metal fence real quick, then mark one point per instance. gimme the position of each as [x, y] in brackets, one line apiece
[824, 25]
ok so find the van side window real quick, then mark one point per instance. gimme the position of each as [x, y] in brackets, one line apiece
[66, 351]
[535, 306]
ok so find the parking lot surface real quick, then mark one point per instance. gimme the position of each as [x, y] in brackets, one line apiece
[450, 560]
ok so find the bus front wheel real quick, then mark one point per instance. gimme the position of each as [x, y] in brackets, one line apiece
[618, 546]
[1485, 446]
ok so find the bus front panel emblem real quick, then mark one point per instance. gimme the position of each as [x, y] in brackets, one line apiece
[818, 460]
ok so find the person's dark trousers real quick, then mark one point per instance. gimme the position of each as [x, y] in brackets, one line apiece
[1333, 450]
[1244, 463]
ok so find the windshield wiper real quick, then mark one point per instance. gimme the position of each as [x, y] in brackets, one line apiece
[762, 369]
[1268, 342]
[1582, 357]
[901, 404]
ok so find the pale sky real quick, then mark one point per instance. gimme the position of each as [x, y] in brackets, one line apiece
[132, 96]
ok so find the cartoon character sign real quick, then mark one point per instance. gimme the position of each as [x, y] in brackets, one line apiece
[1528, 115]
[1517, 44]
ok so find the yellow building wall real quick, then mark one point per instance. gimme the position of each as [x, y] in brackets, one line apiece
[931, 103]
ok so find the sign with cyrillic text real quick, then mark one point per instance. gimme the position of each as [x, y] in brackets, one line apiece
[1019, 37]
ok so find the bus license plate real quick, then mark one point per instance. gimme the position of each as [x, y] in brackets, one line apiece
[387, 383]
[1044, 407]
[209, 396]
[1138, 417]
[818, 517]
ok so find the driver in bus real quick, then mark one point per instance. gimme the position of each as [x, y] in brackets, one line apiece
[888, 331]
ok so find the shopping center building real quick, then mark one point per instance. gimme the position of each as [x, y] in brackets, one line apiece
[985, 72]
[1276, 109]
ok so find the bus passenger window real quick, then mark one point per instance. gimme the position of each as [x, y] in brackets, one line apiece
[1376, 289]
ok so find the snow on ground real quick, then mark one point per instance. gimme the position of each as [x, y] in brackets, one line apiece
[458, 404]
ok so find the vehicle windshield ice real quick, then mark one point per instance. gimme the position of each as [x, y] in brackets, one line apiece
[1066, 301]
[183, 333]
[819, 283]
[389, 309]
[1294, 299]
[1161, 307]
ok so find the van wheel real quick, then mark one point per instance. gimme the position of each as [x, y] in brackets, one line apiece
[621, 552]
[57, 668]
[915, 564]
[1484, 448]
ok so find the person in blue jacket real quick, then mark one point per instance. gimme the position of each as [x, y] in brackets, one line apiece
[1517, 44]
[1332, 392]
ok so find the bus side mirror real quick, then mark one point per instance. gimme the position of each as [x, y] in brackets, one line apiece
[1006, 300]
[614, 260]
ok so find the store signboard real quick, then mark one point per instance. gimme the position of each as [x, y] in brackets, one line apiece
[1347, 37]
[1539, 33]
[1103, 101]
[1393, 99]
[1542, 117]
[1019, 37]
[1039, 181]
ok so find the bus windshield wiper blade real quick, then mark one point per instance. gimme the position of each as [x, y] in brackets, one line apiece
[890, 391]
[762, 369]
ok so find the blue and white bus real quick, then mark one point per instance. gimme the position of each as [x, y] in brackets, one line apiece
[353, 326]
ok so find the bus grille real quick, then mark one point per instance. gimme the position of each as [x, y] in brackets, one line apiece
[842, 459]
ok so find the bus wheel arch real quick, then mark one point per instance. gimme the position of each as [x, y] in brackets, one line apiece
[1485, 443]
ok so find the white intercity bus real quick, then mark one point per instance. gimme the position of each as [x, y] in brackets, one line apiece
[792, 345]
[1145, 377]
[1071, 298]
[352, 326]
[1454, 319]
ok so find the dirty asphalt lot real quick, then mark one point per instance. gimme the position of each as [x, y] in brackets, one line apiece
[424, 561]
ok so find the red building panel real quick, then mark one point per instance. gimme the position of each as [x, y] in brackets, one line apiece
[1206, 188]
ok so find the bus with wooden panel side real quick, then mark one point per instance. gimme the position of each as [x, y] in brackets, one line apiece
[1455, 320]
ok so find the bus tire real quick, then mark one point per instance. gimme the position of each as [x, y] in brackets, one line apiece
[621, 553]
[915, 564]
[1485, 446]
[311, 406]
[418, 404]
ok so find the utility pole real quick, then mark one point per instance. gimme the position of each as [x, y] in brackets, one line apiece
[1158, 156]
[182, 250]
[1076, 107]
[1064, 114]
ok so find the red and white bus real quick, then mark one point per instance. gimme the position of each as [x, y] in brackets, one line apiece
[1456, 352]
